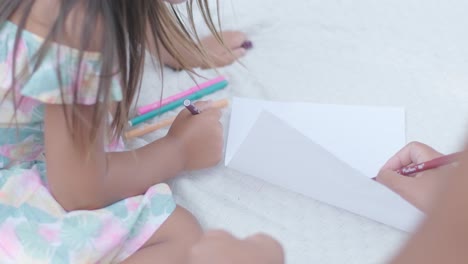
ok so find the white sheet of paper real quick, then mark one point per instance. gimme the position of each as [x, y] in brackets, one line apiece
[364, 137]
[264, 145]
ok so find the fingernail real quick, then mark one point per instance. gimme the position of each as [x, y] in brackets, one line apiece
[247, 45]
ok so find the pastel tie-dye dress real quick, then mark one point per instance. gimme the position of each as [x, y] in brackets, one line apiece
[34, 228]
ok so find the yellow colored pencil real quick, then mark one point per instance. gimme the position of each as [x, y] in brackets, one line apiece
[166, 122]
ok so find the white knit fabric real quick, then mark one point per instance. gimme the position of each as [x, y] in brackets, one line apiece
[411, 53]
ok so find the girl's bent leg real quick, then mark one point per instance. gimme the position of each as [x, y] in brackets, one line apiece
[171, 243]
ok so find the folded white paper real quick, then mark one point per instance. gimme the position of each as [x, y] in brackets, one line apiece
[326, 152]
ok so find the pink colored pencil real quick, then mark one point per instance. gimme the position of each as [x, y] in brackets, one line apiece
[158, 104]
[432, 164]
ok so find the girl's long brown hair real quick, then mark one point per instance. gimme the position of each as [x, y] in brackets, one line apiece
[124, 40]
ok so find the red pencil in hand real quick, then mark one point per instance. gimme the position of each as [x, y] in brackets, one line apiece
[432, 164]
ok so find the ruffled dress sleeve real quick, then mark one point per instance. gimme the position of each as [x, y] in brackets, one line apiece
[59, 79]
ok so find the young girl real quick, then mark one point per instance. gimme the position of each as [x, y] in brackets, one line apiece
[66, 67]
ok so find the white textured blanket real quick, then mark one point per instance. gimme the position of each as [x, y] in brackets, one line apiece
[411, 53]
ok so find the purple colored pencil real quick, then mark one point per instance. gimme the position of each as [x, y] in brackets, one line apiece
[192, 108]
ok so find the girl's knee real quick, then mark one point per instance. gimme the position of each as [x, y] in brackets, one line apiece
[186, 225]
[181, 227]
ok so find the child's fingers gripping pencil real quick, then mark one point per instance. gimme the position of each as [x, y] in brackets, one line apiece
[431, 164]
[412, 169]
[167, 122]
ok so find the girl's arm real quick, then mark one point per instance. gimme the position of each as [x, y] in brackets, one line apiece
[81, 178]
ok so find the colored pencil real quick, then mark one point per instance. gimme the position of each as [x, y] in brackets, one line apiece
[191, 107]
[166, 122]
[173, 105]
[147, 108]
[432, 164]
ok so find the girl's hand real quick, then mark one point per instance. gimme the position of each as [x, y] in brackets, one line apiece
[219, 247]
[199, 137]
[421, 188]
[217, 54]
